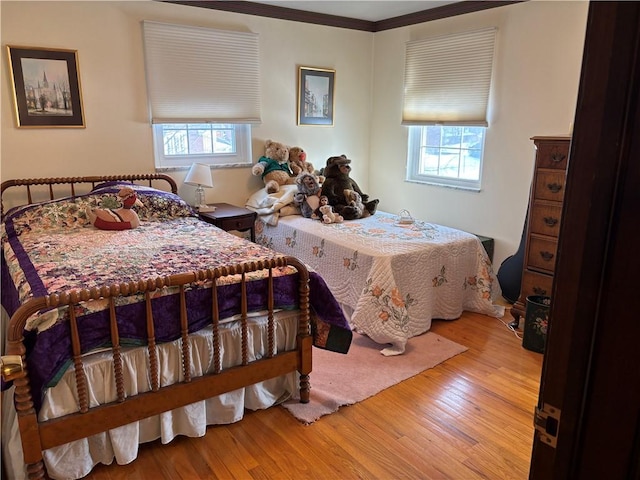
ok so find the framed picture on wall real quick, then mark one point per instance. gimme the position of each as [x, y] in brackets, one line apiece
[46, 87]
[316, 96]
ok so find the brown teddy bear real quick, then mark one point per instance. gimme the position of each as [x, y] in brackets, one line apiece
[274, 166]
[337, 181]
[299, 164]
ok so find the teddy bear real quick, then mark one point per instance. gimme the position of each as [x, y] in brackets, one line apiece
[354, 199]
[274, 167]
[329, 216]
[299, 163]
[337, 181]
[308, 196]
[323, 201]
[122, 218]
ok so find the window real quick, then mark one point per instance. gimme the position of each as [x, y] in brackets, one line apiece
[450, 156]
[204, 94]
[216, 144]
[446, 96]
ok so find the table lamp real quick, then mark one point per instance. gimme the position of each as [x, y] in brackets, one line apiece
[200, 176]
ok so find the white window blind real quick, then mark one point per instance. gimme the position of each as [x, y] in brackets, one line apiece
[197, 74]
[448, 79]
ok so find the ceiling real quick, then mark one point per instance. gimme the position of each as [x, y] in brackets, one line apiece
[372, 11]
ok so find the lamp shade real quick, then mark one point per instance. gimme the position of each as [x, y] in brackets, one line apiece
[199, 175]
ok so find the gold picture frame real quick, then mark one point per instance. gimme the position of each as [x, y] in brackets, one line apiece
[46, 87]
[316, 98]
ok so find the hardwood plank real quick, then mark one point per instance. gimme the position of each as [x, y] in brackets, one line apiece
[470, 417]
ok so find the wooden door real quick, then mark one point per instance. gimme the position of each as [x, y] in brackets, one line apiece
[591, 369]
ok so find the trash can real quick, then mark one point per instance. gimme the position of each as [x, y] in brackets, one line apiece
[536, 323]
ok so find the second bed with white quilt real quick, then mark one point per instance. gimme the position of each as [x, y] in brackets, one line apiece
[391, 278]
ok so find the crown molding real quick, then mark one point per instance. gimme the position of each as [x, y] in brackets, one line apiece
[445, 11]
[292, 14]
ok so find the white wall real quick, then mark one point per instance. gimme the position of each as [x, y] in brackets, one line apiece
[117, 137]
[536, 76]
[539, 52]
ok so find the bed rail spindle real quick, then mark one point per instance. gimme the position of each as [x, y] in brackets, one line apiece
[151, 338]
[304, 331]
[243, 311]
[27, 418]
[81, 379]
[215, 326]
[184, 325]
[115, 349]
[29, 199]
[270, 322]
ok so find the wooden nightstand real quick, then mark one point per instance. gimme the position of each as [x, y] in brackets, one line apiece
[229, 217]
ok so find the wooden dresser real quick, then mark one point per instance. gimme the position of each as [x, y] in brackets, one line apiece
[543, 223]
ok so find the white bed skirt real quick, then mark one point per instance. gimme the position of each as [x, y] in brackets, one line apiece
[76, 459]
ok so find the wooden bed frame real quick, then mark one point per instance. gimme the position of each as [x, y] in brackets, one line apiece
[71, 186]
[37, 436]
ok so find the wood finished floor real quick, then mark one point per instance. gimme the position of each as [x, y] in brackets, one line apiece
[468, 418]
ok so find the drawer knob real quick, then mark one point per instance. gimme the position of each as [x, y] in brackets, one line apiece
[539, 291]
[546, 256]
[550, 221]
[558, 157]
[554, 187]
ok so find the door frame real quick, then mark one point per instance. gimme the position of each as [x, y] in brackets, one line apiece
[591, 368]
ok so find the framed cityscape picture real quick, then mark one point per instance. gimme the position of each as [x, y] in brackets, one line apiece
[46, 87]
[316, 95]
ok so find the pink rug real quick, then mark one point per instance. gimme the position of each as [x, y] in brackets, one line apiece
[339, 379]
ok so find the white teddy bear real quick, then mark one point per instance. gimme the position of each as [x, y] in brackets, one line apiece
[329, 216]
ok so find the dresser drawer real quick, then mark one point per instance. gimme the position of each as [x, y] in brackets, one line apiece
[549, 185]
[237, 223]
[552, 155]
[534, 283]
[542, 253]
[545, 218]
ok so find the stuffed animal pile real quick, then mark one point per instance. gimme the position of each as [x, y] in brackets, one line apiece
[330, 195]
[337, 173]
[122, 218]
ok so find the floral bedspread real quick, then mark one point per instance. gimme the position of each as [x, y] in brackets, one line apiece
[52, 247]
[393, 278]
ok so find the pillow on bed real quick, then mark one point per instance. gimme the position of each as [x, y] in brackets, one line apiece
[69, 212]
[158, 204]
[62, 213]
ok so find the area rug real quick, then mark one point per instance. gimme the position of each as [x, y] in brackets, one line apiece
[344, 379]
